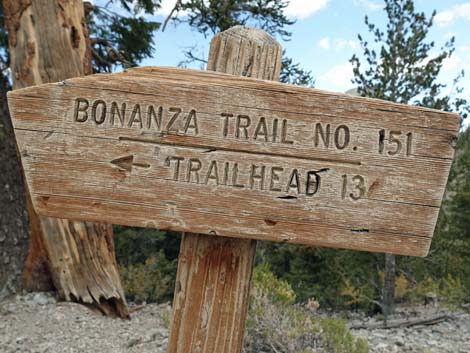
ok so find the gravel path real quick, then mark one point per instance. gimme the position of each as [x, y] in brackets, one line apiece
[35, 323]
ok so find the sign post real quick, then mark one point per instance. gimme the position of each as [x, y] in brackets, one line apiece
[214, 273]
[216, 154]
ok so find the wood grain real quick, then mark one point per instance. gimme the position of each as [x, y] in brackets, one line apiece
[374, 182]
[211, 295]
[214, 273]
[48, 43]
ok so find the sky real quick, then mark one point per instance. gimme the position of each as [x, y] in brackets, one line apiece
[324, 37]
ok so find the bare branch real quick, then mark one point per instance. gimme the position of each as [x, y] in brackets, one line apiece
[170, 15]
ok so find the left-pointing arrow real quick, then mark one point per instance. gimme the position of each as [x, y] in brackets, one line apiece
[127, 162]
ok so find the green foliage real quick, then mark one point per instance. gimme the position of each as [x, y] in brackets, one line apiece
[166, 318]
[122, 38]
[448, 263]
[148, 261]
[336, 278]
[398, 66]
[152, 281]
[213, 16]
[302, 267]
[275, 321]
[277, 290]
[133, 37]
[294, 74]
[339, 338]
[136, 245]
[449, 290]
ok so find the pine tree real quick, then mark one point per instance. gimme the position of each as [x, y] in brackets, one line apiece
[450, 253]
[398, 66]
[122, 36]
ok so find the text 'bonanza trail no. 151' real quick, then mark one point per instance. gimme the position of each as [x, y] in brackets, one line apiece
[217, 154]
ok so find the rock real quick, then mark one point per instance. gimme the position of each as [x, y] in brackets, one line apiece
[42, 298]
[399, 341]
[431, 299]
[134, 342]
[449, 336]
[382, 346]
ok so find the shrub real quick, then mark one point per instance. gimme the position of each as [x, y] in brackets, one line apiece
[148, 262]
[339, 339]
[449, 290]
[152, 281]
[276, 323]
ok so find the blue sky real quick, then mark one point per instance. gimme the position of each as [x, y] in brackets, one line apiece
[325, 37]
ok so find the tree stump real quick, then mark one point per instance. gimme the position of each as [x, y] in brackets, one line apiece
[48, 42]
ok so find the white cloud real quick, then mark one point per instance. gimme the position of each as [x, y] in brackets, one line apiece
[341, 44]
[338, 78]
[338, 44]
[452, 63]
[464, 48]
[444, 18]
[324, 43]
[302, 9]
[369, 4]
[449, 35]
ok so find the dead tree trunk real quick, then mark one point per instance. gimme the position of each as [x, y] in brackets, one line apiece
[48, 43]
[389, 285]
[14, 227]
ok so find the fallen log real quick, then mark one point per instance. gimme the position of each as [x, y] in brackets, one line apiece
[432, 320]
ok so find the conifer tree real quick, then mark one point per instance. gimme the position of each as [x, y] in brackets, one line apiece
[399, 64]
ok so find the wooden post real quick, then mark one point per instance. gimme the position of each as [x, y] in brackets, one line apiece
[214, 273]
[48, 43]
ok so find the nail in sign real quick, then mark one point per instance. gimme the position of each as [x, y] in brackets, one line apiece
[217, 154]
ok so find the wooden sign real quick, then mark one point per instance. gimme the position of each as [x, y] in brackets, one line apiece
[217, 154]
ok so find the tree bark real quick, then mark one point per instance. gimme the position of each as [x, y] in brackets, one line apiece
[48, 42]
[214, 273]
[389, 285]
[14, 228]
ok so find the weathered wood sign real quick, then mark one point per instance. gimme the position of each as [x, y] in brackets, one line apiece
[218, 154]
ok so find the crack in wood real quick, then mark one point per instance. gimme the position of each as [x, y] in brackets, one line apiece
[270, 222]
[287, 197]
[208, 148]
[49, 134]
